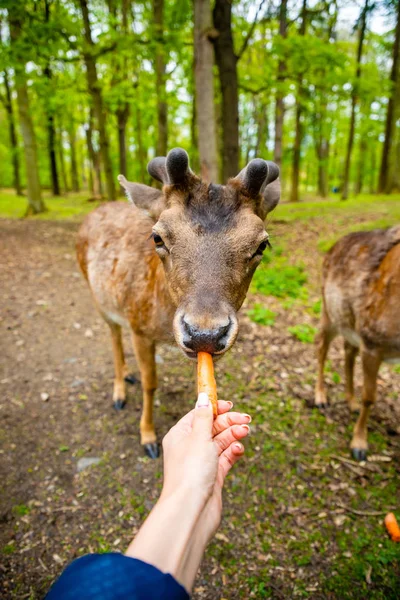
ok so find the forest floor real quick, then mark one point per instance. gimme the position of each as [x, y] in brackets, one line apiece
[301, 519]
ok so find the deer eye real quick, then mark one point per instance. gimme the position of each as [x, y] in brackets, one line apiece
[259, 252]
[159, 242]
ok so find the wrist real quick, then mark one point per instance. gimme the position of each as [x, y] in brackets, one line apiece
[188, 497]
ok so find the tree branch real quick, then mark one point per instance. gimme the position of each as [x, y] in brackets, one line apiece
[250, 32]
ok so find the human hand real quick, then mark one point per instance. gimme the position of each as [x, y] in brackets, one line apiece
[198, 454]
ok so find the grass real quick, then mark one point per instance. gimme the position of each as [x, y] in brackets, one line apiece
[303, 332]
[386, 209]
[261, 315]
[74, 206]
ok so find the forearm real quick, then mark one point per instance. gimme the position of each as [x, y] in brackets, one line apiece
[167, 539]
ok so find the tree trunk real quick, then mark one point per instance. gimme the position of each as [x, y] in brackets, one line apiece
[122, 120]
[159, 66]
[354, 101]
[362, 158]
[323, 154]
[51, 131]
[140, 153]
[62, 161]
[74, 164]
[35, 202]
[294, 193]
[385, 171]
[322, 144]
[94, 161]
[280, 104]
[13, 136]
[227, 69]
[204, 80]
[261, 118]
[95, 92]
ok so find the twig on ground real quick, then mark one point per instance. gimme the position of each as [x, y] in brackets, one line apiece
[365, 513]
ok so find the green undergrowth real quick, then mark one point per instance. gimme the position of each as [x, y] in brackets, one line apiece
[275, 276]
[303, 332]
[261, 315]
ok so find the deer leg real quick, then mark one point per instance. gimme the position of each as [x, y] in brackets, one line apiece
[370, 366]
[145, 356]
[119, 394]
[323, 342]
[350, 357]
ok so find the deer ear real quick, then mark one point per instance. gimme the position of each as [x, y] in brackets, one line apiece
[261, 177]
[157, 169]
[143, 196]
[270, 197]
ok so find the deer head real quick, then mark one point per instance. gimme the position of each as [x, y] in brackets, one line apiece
[210, 239]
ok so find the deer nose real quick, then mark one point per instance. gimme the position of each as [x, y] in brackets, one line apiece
[205, 340]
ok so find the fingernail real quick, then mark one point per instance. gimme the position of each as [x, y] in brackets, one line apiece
[230, 403]
[249, 418]
[238, 446]
[202, 400]
[246, 427]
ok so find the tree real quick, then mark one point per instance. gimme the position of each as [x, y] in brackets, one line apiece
[294, 193]
[354, 100]
[385, 173]
[227, 68]
[159, 65]
[16, 15]
[97, 98]
[51, 130]
[8, 105]
[280, 103]
[204, 80]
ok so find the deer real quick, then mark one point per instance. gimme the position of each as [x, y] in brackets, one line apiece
[175, 264]
[361, 302]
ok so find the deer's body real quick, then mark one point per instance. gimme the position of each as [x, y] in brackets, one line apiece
[175, 264]
[361, 302]
[125, 275]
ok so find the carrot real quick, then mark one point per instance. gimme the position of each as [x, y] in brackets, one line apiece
[205, 378]
[392, 527]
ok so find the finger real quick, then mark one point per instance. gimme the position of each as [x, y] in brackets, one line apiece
[227, 459]
[226, 420]
[230, 435]
[224, 406]
[203, 417]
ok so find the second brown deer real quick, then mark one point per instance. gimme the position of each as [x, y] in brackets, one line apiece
[176, 263]
[361, 302]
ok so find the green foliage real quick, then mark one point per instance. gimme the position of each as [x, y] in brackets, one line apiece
[280, 279]
[21, 510]
[303, 332]
[261, 315]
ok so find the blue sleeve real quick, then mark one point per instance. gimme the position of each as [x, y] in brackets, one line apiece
[114, 576]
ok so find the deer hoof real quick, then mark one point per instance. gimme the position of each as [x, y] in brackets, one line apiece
[119, 404]
[131, 379]
[152, 450]
[359, 454]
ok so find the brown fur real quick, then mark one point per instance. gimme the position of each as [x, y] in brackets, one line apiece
[361, 301]
[198, 279]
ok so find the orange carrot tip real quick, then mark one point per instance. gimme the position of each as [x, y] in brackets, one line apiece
[206, 380]
[393, 527]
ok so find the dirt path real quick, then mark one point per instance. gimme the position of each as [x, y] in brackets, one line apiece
[56, 382]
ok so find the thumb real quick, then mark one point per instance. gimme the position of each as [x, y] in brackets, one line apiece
[203, 417]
